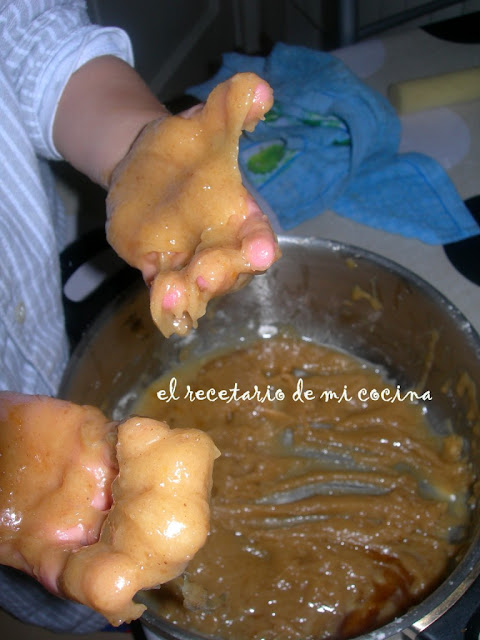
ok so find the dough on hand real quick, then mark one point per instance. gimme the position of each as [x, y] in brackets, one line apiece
[57, 521]
[57, 464]
[177, 207]
[158, 521]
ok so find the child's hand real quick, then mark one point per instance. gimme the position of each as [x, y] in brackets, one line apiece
[178, 211]
[57, 467]
[97, 511]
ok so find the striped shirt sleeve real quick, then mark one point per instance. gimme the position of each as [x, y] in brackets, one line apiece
[43, 43]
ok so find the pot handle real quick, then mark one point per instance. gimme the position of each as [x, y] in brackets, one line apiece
[79, 314]
[461, 621]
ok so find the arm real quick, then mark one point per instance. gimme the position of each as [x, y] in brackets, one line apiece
[104, 106]
[177, 209]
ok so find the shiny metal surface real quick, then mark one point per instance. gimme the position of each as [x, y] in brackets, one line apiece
[330, 293]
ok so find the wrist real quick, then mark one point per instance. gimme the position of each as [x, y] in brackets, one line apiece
[126, 130]
[101, 112]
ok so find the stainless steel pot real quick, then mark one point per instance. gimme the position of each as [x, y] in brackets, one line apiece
[334, 294]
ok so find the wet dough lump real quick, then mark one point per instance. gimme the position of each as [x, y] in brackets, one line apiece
[177, 207]
[159, 518]
[57, 466]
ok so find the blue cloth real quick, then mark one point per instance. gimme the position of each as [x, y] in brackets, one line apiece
[331, 142]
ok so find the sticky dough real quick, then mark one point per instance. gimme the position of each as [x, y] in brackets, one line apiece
[159, 518]
[57, 466]
[177, 201]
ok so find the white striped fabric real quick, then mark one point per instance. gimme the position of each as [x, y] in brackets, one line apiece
[41, 43]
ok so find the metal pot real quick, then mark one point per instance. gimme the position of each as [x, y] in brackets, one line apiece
[334, 294]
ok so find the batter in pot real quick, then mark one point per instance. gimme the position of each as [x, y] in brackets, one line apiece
[331, 515]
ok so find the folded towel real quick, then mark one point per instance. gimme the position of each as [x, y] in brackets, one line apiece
[331, 142]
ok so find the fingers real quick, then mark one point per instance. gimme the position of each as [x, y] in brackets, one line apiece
[169, 304]
[162, 261]
[259, 243]
[66, 454]
[228, 99]
[179, 298]
[181, 189]
[262, 102]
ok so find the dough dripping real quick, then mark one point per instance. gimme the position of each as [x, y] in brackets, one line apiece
[196, 227]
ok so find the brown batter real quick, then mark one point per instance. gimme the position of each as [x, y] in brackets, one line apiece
[57, 467]
[330, 516]
[178, 210]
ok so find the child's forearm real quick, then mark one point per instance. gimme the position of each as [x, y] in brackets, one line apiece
[104, 106]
